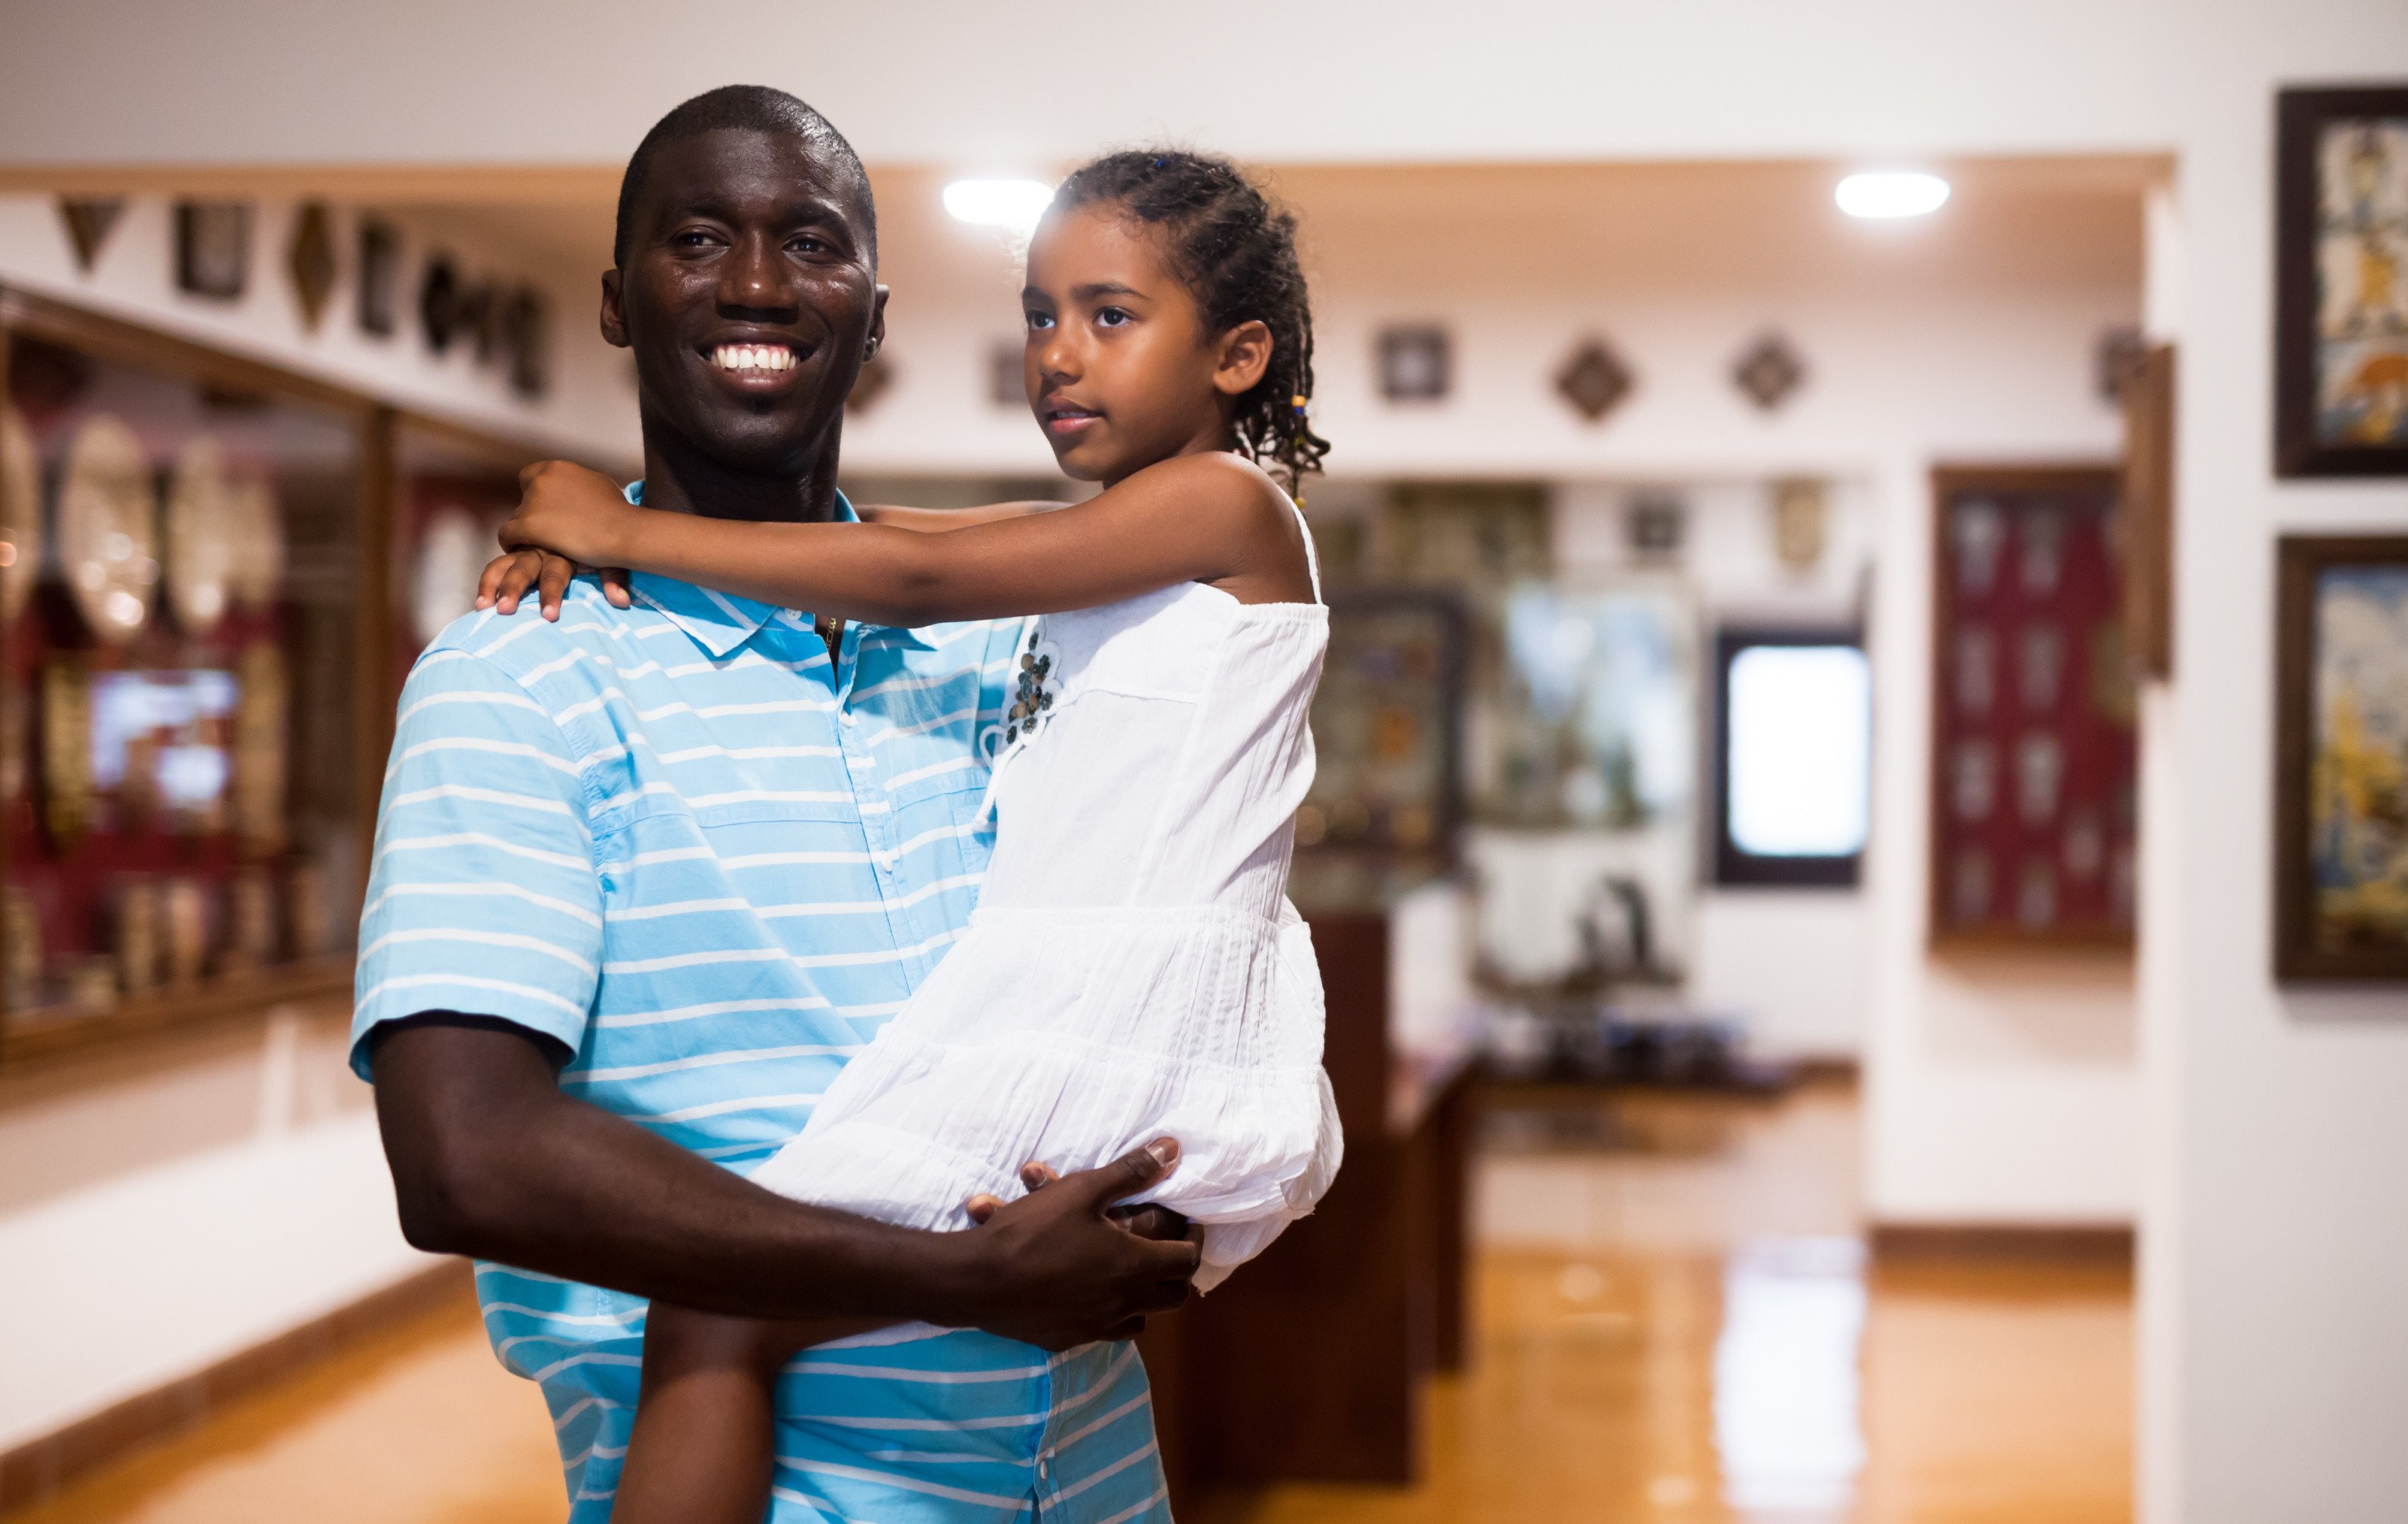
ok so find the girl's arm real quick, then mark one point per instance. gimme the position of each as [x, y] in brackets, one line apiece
[1206, 517]
[512, 575]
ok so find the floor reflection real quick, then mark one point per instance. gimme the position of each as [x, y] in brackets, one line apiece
[1675, 1323]
[1785, 1383]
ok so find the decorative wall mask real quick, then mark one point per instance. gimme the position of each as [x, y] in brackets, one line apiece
[213, 248]
[1768, 371]
[440, 303]
[310, 262]
[1416, 364]
[877, 375]
[20, 513]
[379, 276]
[200, 551]
[1800, 516]
[106, 506]
[2115, 361]
[451, 551]
[259, 752]
[1594, 380]
[254, 536]
[66, 748]
[89, 219]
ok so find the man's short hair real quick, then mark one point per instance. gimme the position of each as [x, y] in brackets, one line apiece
[752, 109]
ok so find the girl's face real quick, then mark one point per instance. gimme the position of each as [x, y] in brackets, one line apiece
[1121, 370]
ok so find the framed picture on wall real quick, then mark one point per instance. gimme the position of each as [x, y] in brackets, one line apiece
[2340, 326]
[2341, 759]
[2034, 787]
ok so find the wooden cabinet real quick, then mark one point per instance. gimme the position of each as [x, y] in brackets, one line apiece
[1310, 1364]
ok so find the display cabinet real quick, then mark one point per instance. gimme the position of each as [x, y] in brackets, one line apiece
[2034, 794]
[202, 631]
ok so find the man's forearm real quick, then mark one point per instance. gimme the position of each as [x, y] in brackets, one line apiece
[491, 1160]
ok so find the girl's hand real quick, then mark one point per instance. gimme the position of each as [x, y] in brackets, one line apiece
[572, 512]
[512, 575]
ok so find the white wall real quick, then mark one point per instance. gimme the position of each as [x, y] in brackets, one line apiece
[589, 409]
[161, 1219]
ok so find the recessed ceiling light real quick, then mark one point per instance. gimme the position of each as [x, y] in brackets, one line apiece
[1891, 194]
[1002, 203]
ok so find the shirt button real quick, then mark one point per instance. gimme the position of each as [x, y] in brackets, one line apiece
[1041, 1468]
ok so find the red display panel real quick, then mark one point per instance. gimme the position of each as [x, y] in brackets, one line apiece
[2034, 796]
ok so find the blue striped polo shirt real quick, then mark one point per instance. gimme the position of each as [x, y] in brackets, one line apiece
[711, 863]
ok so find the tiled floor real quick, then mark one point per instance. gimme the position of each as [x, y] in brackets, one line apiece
[1676, 1322]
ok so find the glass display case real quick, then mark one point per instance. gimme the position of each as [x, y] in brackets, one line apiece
[214, 575]
[179, 792]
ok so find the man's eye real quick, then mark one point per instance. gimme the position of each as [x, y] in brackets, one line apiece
[809, 244]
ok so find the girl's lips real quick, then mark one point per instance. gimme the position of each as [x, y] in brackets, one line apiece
[1069, 420]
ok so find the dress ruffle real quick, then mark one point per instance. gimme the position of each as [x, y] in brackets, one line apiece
[1072, 1037]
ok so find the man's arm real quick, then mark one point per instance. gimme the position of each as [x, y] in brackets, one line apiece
[491, 1158]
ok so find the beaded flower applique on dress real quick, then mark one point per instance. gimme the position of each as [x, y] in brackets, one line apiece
[1033, 700]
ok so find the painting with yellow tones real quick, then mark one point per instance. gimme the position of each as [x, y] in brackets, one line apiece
[2342, 901]
[2341, 384]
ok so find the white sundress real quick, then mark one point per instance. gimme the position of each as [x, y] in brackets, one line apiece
[1132, 969]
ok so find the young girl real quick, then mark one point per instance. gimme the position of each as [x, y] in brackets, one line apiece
[1133, 970]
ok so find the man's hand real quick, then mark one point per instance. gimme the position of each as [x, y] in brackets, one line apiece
[1060, 1271]
[491, 1158]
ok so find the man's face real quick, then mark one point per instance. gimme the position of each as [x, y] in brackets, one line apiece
[748, 296]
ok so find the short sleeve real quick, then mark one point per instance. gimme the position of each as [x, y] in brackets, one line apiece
[484, 897]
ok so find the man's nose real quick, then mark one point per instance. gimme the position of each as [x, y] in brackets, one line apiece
[756, 278]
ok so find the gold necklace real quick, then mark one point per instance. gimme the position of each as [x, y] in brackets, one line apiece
[831, 629]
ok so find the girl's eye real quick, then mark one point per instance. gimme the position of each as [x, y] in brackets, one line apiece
[1113, 317]
[1039, 321]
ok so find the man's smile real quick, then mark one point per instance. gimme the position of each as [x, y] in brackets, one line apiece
[753, 365]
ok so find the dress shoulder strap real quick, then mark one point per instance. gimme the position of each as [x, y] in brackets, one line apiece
[1312, 556]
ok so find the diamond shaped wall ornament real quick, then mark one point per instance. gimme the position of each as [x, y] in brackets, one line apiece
[1593, 379]
[89, 219]
[309, 260]
[1768, 372]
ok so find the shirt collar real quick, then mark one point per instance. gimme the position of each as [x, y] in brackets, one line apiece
[715, 620]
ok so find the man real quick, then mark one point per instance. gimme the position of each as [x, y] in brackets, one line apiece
[645, 877]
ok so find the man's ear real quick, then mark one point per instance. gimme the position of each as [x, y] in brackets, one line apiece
[614, 318]
[1245, 354]
[876, 324]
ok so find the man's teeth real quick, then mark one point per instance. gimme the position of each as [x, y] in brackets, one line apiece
[754, 357]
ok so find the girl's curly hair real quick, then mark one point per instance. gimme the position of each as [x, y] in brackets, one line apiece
[1235, 248]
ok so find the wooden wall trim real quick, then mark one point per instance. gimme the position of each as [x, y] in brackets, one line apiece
[38, 1468]
[2104, 1243]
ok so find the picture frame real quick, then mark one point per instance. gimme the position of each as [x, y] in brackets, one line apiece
[2341, 309]
[2034, 785]
[1416, 363]
[2341, 739]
